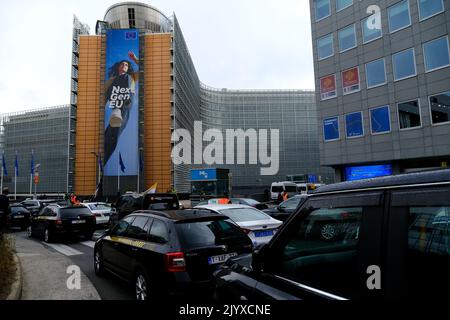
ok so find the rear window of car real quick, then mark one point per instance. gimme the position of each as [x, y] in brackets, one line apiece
[99, 206]
[291, 188]
[19, 210]
[277, 189]
[244, 214]
[207, 233]
[74, 212]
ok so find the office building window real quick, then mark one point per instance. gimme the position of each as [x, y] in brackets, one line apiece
[429, 8]
[342, 4]
[331, 129]
[399, 16]
[409, 114]
[375, 73]
[328, 87]
[350, 80]
[354, 125]
[440, 108]
[347, 38]
[370, 32]
[325, 47]
[404, 63]
[323, 9]
[436, 54]
[380, 121]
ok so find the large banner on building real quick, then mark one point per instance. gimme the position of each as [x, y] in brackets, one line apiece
[122, 99]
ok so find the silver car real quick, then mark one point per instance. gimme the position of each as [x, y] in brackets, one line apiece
[101, 210]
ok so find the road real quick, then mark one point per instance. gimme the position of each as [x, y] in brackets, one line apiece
[81, 253]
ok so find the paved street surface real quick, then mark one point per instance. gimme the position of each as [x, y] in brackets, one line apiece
[44, 268]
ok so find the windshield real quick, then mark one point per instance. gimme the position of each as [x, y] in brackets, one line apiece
[74, 212]
[244, 214]
[291, 203]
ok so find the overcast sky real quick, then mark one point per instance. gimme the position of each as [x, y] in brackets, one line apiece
[237, 44]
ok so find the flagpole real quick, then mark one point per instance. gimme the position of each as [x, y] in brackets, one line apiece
[1, 187]
[118, 175]
[15, 183]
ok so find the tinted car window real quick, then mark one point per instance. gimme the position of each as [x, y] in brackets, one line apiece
[158, 232]
[138, 229]
[291, 188]
[277, 189]
[244, 214]
[206, 233]
[19, 210]
[120, 228]
[428, 259]
[322, 253]
[73, 212]
[290, 203]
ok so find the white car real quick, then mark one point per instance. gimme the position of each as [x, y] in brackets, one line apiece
[259, 226]
[101, 211]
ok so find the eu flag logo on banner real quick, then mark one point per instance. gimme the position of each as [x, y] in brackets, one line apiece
[122, 166]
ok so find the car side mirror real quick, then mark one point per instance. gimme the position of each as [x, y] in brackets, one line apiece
[259, 258]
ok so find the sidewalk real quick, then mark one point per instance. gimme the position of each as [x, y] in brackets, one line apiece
[45, 273]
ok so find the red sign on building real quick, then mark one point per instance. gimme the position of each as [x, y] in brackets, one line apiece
[328, 87]
[350, 80]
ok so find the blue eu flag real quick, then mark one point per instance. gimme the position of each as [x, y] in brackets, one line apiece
[122, 166]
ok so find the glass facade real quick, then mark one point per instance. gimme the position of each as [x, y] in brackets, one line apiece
[440, 108]
[376, 73]
[370, 34]
[436, 53]
[342, 4]
[325, 47]
[44, 132]
[404, 64]
[409, 114]
[429, 8]
[322, 9]
[347, 38]
[399, 16]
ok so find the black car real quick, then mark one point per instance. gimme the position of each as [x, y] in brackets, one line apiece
[55, 221]
[286, 208]
[249, 202]
[19, 217]
[169, 253]
[131, 201]
[36, 205]
[386, 238]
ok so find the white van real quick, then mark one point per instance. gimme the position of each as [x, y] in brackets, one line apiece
[304, 188]
[277, 187]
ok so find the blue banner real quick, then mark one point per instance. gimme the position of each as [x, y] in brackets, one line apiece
[331, 129]
[380, 120]
[122, 103]
[203, 175]
[366, 172]
[354, 125]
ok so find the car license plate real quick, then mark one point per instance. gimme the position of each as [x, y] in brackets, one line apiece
[78, 221]
[220, 259]
[265, 233]
[19, 216]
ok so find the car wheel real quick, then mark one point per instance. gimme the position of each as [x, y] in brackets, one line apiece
[142, 286]
[98, 264]
[29, 232]
[47, 235]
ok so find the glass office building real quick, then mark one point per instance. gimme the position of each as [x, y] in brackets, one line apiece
[171, 96]
[383, 85]
[45, 133]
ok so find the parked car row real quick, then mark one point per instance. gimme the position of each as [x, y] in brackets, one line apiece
[379, 238]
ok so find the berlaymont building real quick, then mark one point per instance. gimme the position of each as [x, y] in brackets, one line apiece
[134, 87]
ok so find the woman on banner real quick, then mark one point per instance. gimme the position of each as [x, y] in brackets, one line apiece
[120, 93]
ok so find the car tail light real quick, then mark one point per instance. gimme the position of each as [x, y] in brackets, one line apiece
[175, 262]
[247, 231]
[97, 215]
[58, 222]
